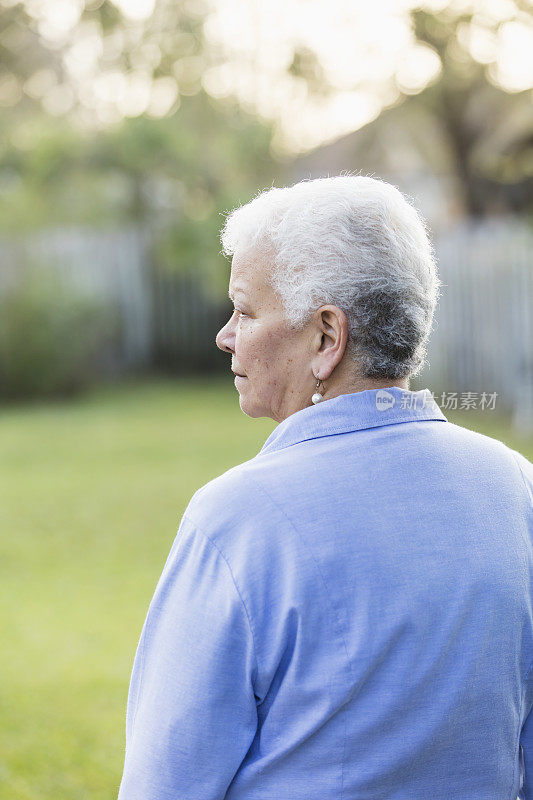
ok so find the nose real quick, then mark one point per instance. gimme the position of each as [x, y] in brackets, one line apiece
[225, 338]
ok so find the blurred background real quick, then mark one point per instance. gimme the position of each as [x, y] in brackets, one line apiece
[128, 129]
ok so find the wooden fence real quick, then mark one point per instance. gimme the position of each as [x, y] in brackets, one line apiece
[165, 320]
[483, 333]
[110, 265]
[482, 339]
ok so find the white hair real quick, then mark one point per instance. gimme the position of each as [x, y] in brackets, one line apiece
[354, 242]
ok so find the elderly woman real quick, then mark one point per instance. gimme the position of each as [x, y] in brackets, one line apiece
[349, 614]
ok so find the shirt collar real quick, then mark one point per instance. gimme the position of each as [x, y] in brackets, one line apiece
[354, 412]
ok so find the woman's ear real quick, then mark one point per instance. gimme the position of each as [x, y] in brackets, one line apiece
[333, 329]
[330, 328]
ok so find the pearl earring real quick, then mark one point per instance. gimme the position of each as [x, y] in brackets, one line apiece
[317, 397]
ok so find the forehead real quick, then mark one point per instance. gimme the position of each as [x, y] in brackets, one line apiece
[248, 274]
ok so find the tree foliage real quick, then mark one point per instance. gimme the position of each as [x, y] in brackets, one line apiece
[175, 172]
[489, 130]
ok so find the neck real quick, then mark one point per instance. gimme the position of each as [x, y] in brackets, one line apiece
[352, 384]
[333, 387]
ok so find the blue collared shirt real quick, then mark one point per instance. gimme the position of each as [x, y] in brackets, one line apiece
[346, 616]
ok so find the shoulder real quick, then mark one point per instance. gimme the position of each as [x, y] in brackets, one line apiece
[481, 443]
[496, 456]
[526, 468]
[235, 501]
[250, 532]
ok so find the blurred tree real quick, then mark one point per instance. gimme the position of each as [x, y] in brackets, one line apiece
[306, 66]
[183, 172]
[464, 125]
[99, 60]
[175, 175]
[489, 130]
[24, 57]
[172, 161]
[181, 155]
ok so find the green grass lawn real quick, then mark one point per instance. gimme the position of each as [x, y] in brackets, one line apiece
[92, 493]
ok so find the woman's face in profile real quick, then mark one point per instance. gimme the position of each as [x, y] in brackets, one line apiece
[272, 361]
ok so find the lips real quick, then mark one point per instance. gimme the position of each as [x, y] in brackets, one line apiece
[238, 374]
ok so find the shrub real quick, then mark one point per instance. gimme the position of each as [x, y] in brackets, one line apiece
[53, 337]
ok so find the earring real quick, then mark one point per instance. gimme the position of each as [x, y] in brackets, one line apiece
[317, 397]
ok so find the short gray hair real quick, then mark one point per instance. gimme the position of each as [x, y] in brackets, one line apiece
[354, 242]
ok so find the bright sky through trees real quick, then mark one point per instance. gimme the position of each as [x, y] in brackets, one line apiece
[366, 57]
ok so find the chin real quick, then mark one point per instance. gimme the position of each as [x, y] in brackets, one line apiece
[249, 410]
[252, 409]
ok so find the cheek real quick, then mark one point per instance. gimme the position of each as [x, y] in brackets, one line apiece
[249, 336]
[243, 336]
[262, 346]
